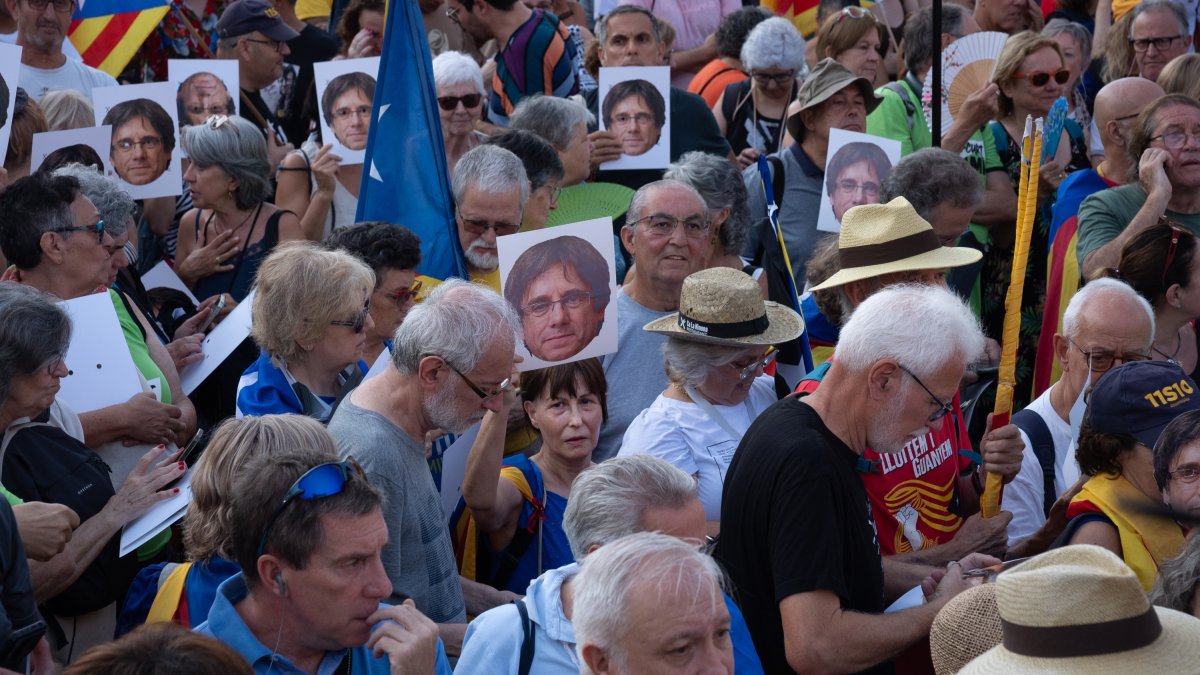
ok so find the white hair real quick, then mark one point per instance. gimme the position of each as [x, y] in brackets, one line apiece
[648, 565]
[609, 499]
[459, 322]
[1102, 287]
[552, 118]
[774, 43]
[640, 198]
[922, 327]
[688, 362]
[492, 170]
[451, 68]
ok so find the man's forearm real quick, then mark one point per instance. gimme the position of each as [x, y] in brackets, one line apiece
[1108, 254]
[902, 572]
[854, 642]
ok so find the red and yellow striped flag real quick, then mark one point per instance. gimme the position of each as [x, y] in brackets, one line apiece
[803, 13]
[108, 33]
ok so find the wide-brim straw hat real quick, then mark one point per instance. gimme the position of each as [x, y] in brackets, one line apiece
[878, 239]
[827, 79]
[724, 306]
[964, 628]
[1080, 609]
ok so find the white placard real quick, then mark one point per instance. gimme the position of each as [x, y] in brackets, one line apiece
[454, 469]
[219, 344]
[100, 370]
[534, 268]
[210, 84]
[98, 139]
[162, 276]
[352, 85]
[641, 96]
[915, 597]
[142, 172]
[858, 162]
[10, 71]
[380, 365]
[160, 516]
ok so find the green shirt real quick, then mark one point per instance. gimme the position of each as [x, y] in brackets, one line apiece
[13, 500]
[890, 119]
[1103, 215]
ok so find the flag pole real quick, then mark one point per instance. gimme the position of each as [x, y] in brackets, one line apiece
[935, 103]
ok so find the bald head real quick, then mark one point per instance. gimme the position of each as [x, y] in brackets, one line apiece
[1119, 101]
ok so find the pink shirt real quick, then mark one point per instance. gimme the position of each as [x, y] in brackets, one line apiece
[693, 21]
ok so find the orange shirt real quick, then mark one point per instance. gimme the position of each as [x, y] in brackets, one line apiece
[712, 79]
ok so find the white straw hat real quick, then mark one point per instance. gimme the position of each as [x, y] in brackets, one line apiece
[724, 306]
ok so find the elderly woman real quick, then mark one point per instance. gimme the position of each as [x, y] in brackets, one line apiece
[50, 463]
[751, 112]
[564, 124]
[312, 181]
[725, 197]
[1076, 44]
[566, 404]
[717, 386]
[460, 93]
[310, 317]
[545, 172]
[153, 596]
[393, 253]
[232, 227]
[1116, 507]
[856, 39]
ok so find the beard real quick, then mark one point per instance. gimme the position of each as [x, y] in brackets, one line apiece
[444, 411]
[882, 435]
[479, 259]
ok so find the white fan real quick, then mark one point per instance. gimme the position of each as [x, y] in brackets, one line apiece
[967, 65]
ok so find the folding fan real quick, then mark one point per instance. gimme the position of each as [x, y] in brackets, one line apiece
[967, 65]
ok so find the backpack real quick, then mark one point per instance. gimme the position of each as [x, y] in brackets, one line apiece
[472, 550]
[1043, 447]
[900, 90]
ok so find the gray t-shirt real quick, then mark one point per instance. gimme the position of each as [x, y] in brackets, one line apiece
[798, 211]
[634, 372]
[1103, 215]
[418, 557]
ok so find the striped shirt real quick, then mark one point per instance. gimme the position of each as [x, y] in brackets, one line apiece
[540, 58]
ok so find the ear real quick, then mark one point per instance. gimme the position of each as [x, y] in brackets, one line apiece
[601, 53]
[428, 370]
[882, 380]
[268, 567]
[595, 658]
[662, 52]
[627, 238]
[1061, 347]
[52, 247]
[528, 405]
[12, 6]
[1171, 295]
[808, 117]
[829, 53]
[855, 293]
[1008, 86]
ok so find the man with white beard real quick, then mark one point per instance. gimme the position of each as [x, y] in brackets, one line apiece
[490, 191]
[451, 360]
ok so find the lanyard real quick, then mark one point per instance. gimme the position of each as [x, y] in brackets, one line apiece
[715, 415]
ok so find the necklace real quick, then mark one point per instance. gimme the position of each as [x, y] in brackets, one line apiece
[235, 228]
[1170, 357]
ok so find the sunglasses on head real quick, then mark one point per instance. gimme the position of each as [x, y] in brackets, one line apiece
[319, 482]
[450, 103]
[1039, 78]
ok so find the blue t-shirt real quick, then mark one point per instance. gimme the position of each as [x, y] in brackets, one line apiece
[556, 550]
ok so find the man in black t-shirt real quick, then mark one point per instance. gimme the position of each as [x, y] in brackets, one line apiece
[797, 537]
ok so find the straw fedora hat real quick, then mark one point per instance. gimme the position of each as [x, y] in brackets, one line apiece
[878, 239]
[724, 306]
[1080, 609]
[964, 628]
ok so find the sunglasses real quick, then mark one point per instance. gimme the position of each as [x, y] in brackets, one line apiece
[450, 103]
[98, 228]
[359, 322]
[402, 296]
[319, 482]
[854, 12]
[1040, 78]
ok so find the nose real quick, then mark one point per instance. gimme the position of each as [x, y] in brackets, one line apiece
[489, 236]
[576, 417]
[189, 174]
[378, 585]
[139, 150]
[558, 314]
[284, 49]
[60, 369]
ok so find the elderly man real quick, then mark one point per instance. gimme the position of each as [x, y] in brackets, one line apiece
[613, 499]
[201, 95]
[666, 231]
[564, 124]
[143, 138]
[797, 535]
[490, 190]
[1160, 32]
[42, 30]
[451, 360]
[652, 601]
[1106, 324]
[1165, 141]
[308, 537]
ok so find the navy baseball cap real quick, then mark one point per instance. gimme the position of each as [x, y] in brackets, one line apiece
[246, 16]
[1141, 398]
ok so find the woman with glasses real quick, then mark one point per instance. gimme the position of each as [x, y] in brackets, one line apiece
[393, 253]
[460, 93]
[514, 506]
[310, 317]
[751, 112]
[718, 346]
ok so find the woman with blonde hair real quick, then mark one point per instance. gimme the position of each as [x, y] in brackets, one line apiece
[1181, 76]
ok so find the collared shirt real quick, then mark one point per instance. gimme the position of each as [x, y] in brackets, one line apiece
[225, 624]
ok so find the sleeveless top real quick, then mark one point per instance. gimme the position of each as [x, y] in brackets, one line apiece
[742, 130]
[238, 281]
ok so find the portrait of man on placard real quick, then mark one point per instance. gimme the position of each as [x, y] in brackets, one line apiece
[201, 95]
[854, 175]
[346, 106]
[143, 138]
[635, 111]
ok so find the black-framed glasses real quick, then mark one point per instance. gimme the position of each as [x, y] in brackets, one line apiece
[483, 395]
[274, 44]
[60, 6]
[752, 370]
[319, 482]
[777, 78]
[98, 228]
[1100, 361]
[450, 103]
[944, 407]
[1188, 473]
[569, 300]
[663, 225]
[480, 227]
[1175, 140]
[359, 322]
[1041, 78]
[145, 143]
[402, 296]
[1144, 44]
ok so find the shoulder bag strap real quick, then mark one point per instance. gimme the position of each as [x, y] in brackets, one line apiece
[528, 639]
[1043, 446]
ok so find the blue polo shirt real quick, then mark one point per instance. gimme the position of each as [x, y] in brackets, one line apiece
[226, 625]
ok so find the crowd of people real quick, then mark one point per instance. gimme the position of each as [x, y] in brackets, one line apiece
[787, 464]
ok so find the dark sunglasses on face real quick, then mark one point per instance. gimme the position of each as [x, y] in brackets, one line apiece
[450, 103]
[1040, 78]
[98, 228]
[359, 322]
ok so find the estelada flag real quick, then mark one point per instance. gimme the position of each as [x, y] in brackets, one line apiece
[803, 13]
[108, 33]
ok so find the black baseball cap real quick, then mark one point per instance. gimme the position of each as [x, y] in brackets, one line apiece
[1141, 398]
[246, 16]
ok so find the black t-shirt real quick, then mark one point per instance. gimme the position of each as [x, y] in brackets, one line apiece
[17, 606]
[795, 519]
[313, 45]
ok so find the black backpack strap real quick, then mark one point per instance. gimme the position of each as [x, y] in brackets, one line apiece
[777, 178]
[1043, 446]
[910, 110]
[528, 641]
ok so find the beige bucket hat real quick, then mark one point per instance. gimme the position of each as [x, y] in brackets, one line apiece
[827, 79]
[724, 306]
[964, 628]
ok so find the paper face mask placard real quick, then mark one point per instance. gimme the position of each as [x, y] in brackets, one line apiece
[219, 344]
[100, 370]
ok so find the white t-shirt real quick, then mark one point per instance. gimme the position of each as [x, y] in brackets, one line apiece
[1025, 495]
[70, 75]
[681, 433]
[67, 47]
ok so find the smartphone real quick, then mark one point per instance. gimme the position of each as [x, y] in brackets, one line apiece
[21, 642]
[217, 308]
[191, 452]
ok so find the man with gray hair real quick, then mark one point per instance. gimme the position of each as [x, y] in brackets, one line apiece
[666, 232]
[654, 603]
[490, 190]
[1106, 324]
[1161, 30]
[451, 360]
[562, 123]
[797, 534]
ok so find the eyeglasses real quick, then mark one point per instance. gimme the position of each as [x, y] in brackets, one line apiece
[274, 44]
[554, 191]
[944, 407]
[640, 119]
[359, 322]
[757, 366]
[1185, 474]
[319, 482]
[854, 12]
[1041, 78]
[358, 111]
[777, 78]
[1100, 361]
[849, 187]
[53, 363]
[402, 296]
[1177, 230]
[479, 227]
[483, 395]
[98, 228]
[450, 103]
[60, 6]
[1175, 140]
[663, 225]
[1159, 43]
[213, 110]
[569, 300]
[145, 143]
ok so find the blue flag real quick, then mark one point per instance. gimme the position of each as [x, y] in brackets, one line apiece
[405, 177]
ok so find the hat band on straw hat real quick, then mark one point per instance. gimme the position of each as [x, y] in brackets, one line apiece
[890, 251]
[1092, 639]
[737, 329]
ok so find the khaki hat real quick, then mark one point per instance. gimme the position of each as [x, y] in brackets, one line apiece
[724, 306]
[964, 628]
[1081, 609]
[878, 239]
[827, 79]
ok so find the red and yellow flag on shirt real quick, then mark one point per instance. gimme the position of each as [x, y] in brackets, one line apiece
[108, 33]
[803, 13]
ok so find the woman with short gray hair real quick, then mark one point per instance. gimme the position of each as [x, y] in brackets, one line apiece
[232, 228]
[460, 98]
[563, 123]
[1076, 43]
[716, 349]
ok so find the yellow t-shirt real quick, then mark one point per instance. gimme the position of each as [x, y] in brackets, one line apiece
[309, 9]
